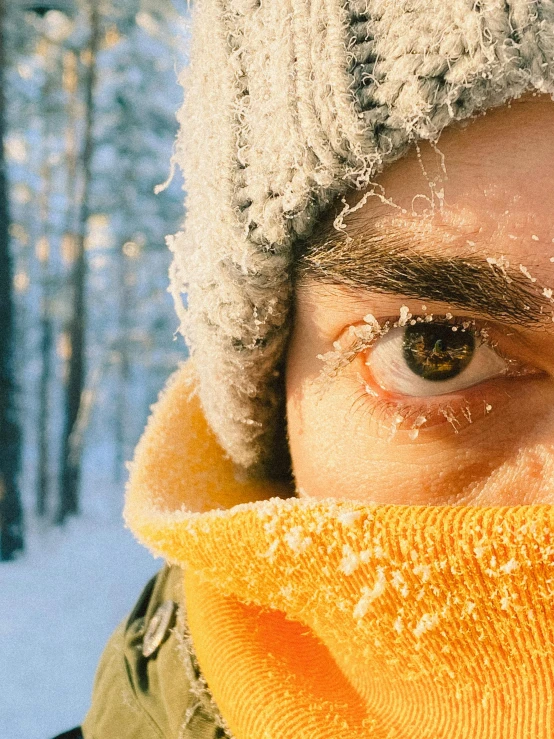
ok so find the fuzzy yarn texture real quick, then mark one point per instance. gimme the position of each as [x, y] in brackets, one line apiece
[289, 104]
[332, 619]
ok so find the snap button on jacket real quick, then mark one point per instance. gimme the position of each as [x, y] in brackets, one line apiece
[158, 628]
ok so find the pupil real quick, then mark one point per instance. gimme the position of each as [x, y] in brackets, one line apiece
[435, 352]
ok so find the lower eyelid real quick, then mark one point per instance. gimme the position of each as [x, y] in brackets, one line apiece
[417, 417]
[419, 420]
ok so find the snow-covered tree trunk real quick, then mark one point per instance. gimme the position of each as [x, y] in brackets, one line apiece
[72, 442]
[11, 515]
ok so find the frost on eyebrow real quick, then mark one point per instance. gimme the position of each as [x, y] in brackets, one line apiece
[541, 290]
[377, 263]
[417, 257]
[544, 290]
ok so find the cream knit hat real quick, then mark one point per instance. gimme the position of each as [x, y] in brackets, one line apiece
[289, 104]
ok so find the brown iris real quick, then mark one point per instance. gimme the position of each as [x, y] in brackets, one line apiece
[437, 351]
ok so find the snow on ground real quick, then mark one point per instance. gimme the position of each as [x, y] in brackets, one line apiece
[58, 606]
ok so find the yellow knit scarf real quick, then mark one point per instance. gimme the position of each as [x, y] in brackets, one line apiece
[335, 620]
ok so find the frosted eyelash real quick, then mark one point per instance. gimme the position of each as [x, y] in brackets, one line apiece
[363, 336]
[411, 417]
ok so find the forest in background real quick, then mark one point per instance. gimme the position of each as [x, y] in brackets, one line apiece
[86, 323]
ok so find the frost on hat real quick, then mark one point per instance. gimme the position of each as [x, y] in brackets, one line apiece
[289, 104]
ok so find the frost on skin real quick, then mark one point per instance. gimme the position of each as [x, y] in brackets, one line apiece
[358, 339]
[376, 191]
[525, 271]
[405, 315]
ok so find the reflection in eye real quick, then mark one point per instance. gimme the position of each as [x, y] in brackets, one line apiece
[437, 352]
[434, 358]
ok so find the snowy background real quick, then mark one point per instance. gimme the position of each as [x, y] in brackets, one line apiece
[58, 606]
[75, 579]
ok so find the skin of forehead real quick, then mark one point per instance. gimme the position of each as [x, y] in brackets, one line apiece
[493, 187]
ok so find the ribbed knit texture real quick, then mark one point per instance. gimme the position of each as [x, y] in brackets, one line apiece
[290, 103]
[333, 620]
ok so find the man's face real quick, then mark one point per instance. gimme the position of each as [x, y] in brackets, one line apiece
[447, 397]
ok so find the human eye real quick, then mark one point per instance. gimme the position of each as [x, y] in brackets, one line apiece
[431, 371]
[439, 357]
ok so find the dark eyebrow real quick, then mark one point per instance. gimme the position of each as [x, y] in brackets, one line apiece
[468, 283]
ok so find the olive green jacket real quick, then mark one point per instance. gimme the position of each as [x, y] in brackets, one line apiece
[148, 684]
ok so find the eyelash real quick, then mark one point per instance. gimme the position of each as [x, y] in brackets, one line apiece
[416, 416]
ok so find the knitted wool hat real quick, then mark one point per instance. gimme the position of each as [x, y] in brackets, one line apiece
[289, 104]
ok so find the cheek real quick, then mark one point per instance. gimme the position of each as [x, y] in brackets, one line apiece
[524, 478]
[338, 450]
